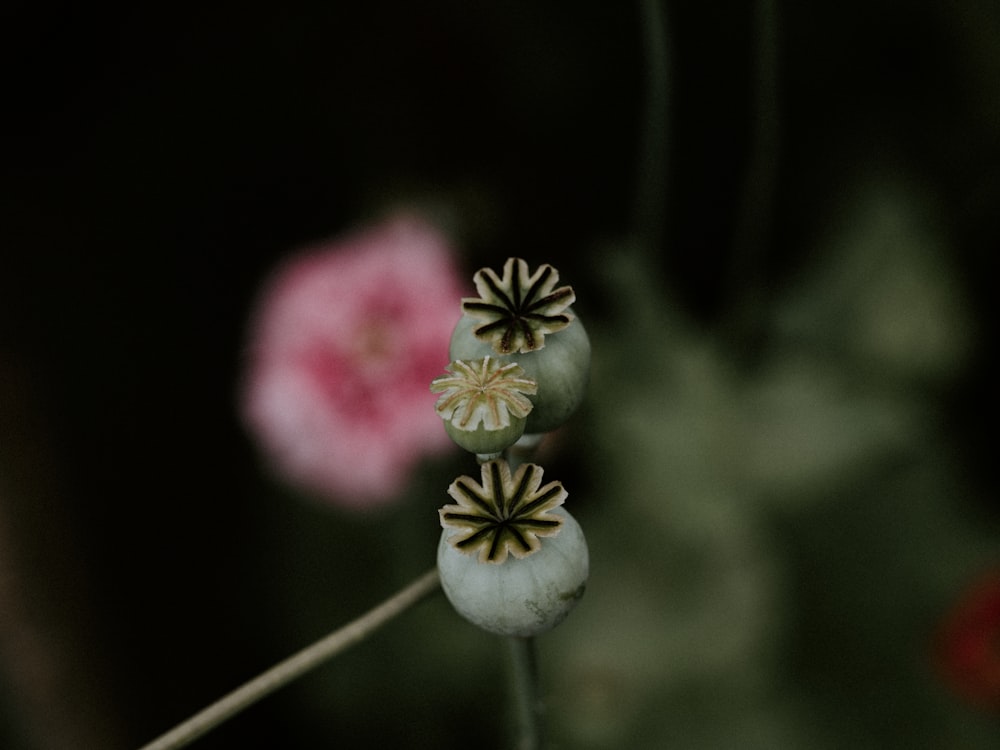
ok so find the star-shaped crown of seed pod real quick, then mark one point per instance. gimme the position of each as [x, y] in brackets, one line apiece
[505, 515]
[519, 307]
[485, 391]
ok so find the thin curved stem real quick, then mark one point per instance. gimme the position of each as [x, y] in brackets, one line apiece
[296, 665]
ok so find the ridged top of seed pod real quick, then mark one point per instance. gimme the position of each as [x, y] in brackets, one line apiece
[483, 391]
[505, 515]
[519, 307]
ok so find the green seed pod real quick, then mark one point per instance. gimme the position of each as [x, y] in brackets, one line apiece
[485, 442]
[521, 317]
[483, 403]
[511, 560]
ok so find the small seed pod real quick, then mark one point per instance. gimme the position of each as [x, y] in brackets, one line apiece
[511, 560]
[483, 404]
[521, 317]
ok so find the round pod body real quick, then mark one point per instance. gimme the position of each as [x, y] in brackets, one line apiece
[561, 368]
[520, 596]
[487, 442]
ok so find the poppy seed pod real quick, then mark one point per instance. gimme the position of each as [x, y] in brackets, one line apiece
[523, 318]
[510, 559]
[483, 403]
[523, 597]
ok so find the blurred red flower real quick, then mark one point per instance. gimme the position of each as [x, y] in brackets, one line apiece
[968, 643]
[344, 343]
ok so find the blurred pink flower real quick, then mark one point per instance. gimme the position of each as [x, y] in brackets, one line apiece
[344, 343]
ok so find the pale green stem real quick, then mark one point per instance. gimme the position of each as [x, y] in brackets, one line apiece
[522, 653]
[296, 665]
[525, 693]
